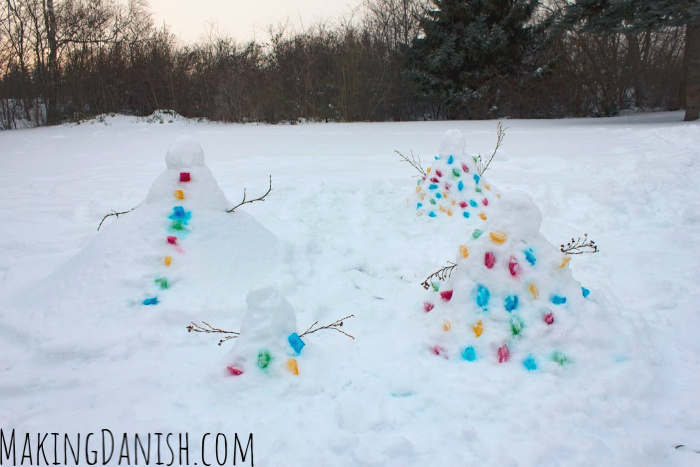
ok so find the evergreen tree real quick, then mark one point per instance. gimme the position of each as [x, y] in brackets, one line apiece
[467, 47]
[632, 16]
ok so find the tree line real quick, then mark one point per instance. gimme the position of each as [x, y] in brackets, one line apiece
[69, 60]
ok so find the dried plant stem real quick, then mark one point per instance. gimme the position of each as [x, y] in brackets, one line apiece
[414, 161]
[209, 329]
[335, 325]
[440, 274]
[500, 134]
[261, 198]
[579, 246]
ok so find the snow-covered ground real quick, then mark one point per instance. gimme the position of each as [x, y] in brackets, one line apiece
[339, 235]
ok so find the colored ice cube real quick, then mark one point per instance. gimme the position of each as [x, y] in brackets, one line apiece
[511, 303]
[530, 364]
[264, 358]
[530, 256]
[296, 342]
[558, 299]
[469, 354]
[482, 296]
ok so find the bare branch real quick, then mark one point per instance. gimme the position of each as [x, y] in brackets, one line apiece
[579, 246]
[209, 329]
[262, 198]
[500, 134]
[334, 325]
[113, 213]
[440, 274]
[414, 161]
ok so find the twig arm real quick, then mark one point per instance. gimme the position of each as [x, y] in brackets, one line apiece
[579, 246]
[336, 325]
[500, 134]
[441, 274]
[261, 198]
[414, 161]
[113, 213]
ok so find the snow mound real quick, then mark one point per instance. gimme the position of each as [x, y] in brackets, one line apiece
[512, 298]
[178, 249]
[452, 186]
[268, 338]
[163, 116]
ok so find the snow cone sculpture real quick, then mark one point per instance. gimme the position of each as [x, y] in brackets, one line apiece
[181, 247]
[268, 340]
[187, 183]
[452, 186]
[510, 298]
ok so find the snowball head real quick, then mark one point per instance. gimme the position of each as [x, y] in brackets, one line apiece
[184, 153]
[452, 143]
[516, 212]
[270, 316]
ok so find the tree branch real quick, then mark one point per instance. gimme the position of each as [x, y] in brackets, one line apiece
[113, 213]
[262, 198]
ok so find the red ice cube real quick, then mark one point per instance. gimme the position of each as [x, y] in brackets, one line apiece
[440, 350]
[503, 353]
[513, 267]
[234, 371]
[446, 295]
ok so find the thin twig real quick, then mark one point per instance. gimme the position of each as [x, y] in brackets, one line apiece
[209, 329]
[113, 213]
[500, 134]
[440, 274]
[334, 325]
[262, 198]
[414, 162]
[579, 246]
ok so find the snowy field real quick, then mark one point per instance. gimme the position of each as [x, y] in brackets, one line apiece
[338, 235]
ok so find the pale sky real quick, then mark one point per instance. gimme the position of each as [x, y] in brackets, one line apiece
[241, 19]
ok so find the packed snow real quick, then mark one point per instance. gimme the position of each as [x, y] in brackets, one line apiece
[83, 349]
[511, 297]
